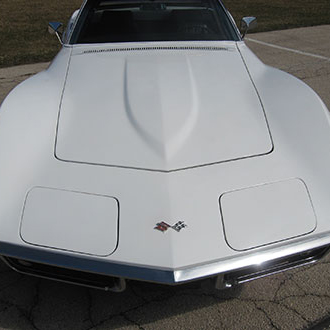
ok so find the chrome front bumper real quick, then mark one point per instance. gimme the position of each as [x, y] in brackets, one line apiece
[103, 274]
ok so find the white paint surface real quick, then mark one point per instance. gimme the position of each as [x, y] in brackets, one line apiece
[160, 110]
[70, 221]
[266, 214]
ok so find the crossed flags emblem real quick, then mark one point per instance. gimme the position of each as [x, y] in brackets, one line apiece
[163, 226]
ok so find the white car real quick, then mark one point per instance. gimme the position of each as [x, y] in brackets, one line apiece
[157, 147]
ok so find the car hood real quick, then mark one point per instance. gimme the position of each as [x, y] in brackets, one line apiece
[160, 108]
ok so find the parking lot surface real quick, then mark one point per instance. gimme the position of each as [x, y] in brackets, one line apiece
[297, 299]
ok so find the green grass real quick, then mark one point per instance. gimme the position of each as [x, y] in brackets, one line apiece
[281, 14]
[24, 37]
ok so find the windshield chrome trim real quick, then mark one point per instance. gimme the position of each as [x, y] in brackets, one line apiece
[226, 12]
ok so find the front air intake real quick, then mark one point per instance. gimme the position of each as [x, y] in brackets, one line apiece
[97, 281]
[273, 267]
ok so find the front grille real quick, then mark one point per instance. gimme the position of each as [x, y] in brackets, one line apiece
[67, 275]
[275, 266]
[117, 284]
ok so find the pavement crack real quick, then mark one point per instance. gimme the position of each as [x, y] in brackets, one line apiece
[127, 318]
[259, 308]
[23, 313]
[278, 303]
[282, 283]
[143, 304]
[296, 312]
[36, 300]
[89, 307]
[267, 316]
[123, 314]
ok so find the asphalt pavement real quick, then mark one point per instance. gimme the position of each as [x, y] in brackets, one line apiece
[296, 299]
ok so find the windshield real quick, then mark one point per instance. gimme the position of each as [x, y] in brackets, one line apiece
[129, 21]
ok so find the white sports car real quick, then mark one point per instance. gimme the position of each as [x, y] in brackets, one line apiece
[157, 147]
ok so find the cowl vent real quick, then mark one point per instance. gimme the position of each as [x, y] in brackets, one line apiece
[128, 49]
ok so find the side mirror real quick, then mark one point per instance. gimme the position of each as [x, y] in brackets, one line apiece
[248, 23]
[56, 28]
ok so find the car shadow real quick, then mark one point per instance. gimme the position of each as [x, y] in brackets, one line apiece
[29, 302]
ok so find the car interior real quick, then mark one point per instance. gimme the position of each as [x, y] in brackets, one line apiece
[154, 22]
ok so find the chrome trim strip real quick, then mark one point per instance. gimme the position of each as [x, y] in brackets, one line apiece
[86, 264]
[165, 276]
[256, 258]
[118, 285]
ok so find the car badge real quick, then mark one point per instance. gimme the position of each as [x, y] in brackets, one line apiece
[163, 226]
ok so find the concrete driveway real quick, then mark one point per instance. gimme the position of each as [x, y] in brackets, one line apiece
[297, 299]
